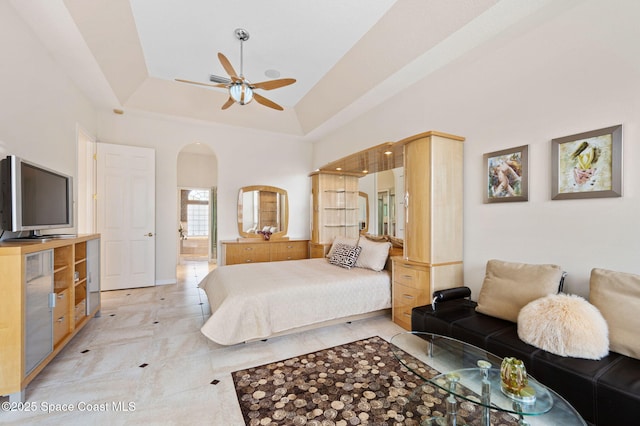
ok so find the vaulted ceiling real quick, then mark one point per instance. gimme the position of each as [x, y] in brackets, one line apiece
[347, 56]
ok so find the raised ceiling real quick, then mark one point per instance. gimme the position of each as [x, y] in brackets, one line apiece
[347, 56]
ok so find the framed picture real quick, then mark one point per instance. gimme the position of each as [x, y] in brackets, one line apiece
[506, 175]
[587, 165]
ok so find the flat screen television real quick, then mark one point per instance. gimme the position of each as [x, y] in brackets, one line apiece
[34, 197]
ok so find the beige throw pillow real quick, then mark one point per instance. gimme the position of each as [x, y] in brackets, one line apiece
[617, 296]
[508, 286]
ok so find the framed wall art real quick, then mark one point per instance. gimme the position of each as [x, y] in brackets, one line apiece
[587, 165]
[506, 175]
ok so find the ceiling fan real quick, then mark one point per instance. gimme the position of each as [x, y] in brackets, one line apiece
[241, 90]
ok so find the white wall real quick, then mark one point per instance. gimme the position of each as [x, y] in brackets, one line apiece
[39, 107]
[197, 170]
[244, 157]
[579, 71]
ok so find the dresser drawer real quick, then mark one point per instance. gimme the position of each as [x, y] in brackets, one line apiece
[246, 253]
[62, 304]
[411, 275]
[289, 250]
[402, 318]
[405, 298]
[60, 328]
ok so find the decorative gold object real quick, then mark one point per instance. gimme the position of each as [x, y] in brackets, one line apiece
[513, 375]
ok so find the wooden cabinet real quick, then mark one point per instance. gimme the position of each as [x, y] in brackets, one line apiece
[433, 198]
[244, 251]
[413, 284]
[334, 208]
[67, 308]
[432, 258]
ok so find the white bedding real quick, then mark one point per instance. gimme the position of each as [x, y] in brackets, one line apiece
[257, 300]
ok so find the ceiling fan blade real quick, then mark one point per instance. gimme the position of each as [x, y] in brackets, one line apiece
[266, 102]
[273, 84]
[201, 84]
[229, 102]
[227, 66]
[218, 79]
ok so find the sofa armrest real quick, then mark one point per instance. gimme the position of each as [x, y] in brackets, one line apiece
[450, 294]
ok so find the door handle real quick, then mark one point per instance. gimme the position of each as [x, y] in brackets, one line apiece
[150, 234]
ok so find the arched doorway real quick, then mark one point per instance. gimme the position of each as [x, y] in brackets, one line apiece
[197, 172]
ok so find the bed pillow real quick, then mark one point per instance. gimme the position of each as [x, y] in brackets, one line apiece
[509, 286]
[617, 296]
[373, 255]
[345, 255]
[342, 240]
[565, 325]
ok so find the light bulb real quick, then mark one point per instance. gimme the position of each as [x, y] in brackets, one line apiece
[241, 93]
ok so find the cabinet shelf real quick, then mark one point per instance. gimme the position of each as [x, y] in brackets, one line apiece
[60, 269]
[335, 207]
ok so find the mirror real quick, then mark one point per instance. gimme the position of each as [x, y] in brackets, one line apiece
[386, 215]
[363, 212]
[262, 209]
[385, 191]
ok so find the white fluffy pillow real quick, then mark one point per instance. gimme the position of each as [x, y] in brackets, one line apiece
[342, 240]
[565, 325]
[373, 255]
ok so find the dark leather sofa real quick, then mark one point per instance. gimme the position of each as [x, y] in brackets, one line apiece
[604, 392]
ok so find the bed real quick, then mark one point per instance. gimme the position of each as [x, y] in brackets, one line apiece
[261, 300]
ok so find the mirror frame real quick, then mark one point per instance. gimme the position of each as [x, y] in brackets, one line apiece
[366, 201]
[285, 199]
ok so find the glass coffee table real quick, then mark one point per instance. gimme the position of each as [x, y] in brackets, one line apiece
[465, 374]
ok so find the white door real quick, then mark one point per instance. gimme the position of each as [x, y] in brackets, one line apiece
[126, 215]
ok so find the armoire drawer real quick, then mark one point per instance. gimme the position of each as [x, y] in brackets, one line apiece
[411, 275]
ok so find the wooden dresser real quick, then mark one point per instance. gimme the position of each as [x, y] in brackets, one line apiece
[246, 251]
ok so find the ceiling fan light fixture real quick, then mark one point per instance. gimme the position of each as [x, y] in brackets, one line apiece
[241, 93]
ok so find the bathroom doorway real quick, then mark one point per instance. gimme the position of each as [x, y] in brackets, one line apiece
[197, 204]
[195, 223]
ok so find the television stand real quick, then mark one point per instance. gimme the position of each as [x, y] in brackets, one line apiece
[39, 238]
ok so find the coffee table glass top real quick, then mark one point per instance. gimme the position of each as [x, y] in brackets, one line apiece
[465, 371]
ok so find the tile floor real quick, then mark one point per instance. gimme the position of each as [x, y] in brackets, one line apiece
[144, 361]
